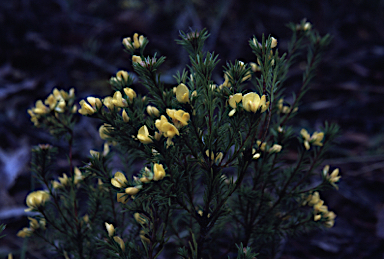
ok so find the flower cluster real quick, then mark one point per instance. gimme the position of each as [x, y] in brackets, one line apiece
[33, 226]
[320, 210]
[59, 101]
[64, 181]
[251, 102]
[137, 43]
[316, 138]
[121, 182]
[210, 154]
[332, 178]
[111, 231]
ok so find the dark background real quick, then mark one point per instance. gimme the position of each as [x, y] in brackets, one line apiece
[69, 43]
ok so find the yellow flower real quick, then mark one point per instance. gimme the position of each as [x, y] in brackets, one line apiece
[252, 102]
[25, 232]
[313, 199]
[36, 199]
[86, 109]
[56, 184]
[120, 242]
[122, 76]
[118, 100]
[40, 108]
[234, 100]
[130, 93]
[219, 157]
[143, 237]
[125, 116]
[159, 172]
[315, 139]
[320, 207]
[232, 112]
[255, 67]
[263, 103]
[143, 135]
[261, 145]
[119, 180]
[317, 217]
[168, 130]
[307, 26]
[91, 108]
[103, 131]
[180, 118]
[333, 178]
[136, 42]
[122, 198]
[255, 155]
[276, 148]
[107, 101]
[78, 175]
[127, 42]
[110, 229]
[226, 82]
[153, 111]
[273, 43]
[139, 218]
[182, 93]
[33, 223]
[63, 180]
[132, 190]
[136, 59]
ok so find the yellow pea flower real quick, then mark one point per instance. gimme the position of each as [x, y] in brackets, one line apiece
[130, 93]
[139, 218]
[132, 190]
[125, 116]
[103, 131]
[119, 180]
[333, 177]
[182, 93]
[40, 108]
[122, 76]
[122, 198]
[118, 100]
[136, 59]
[143, 238]
[234, 100]
[107, 101]
[273, 43]
[168, 130]
[25, 232]
[36, 199]
[276, 148]
[251, 102]
[63, 180]
[143, 135]
[226, 82]
[153, 111]
[110, 229]
[315, 139]
[33, 223]
[136, 41]
[159, 172]
[120, 242]
[180, 118]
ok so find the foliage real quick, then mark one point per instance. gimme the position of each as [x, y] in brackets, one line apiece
[216, 181]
